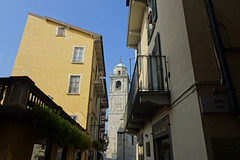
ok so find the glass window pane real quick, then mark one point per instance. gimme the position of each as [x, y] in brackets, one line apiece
[165, 149]
[78, 55]
[74, 84]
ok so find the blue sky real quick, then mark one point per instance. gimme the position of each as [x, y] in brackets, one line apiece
[106, 17]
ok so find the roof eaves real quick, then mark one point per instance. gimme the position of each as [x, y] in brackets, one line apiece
[103, 58]
[98, 42]
[66, 24]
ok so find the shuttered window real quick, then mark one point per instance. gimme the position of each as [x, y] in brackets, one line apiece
[74, 84]
[78, 55]
[61, 31]
[154, 10]
[151, 11]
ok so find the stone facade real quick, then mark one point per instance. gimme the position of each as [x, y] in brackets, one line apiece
[117, 102]
[126, 145]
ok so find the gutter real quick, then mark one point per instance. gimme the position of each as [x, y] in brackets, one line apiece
[221, 57]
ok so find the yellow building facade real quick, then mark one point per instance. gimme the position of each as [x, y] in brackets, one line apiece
[66, 63]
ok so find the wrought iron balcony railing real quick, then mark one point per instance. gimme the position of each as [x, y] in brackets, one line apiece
[103, 111]
[149, 79]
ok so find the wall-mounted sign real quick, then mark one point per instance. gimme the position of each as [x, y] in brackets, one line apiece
[161, 128]
[215, 104]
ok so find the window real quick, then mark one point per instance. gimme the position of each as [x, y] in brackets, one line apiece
[161, 139]
[151, 11]
[119, 72]
[78, 55]
[61, 31]
[162, 148]
[132, 140]
[118, 85]
[74, 84]
[148, 151]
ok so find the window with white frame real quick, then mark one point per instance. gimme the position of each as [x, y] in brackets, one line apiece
[61, 31]
[74, 84]
[78, 55]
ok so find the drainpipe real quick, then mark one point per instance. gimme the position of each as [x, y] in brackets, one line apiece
[221, 56]
[123, 146]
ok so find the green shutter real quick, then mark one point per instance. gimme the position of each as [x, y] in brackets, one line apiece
[159, 62]
[154, 11]
[157, 44]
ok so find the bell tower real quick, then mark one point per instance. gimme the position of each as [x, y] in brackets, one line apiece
[117, 101]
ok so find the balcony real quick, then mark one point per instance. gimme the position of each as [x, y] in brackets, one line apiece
[102, 125]
[103, 103]
[103, 111]
[149, 91]
[135, 19]
[99, 85]
[20, 94]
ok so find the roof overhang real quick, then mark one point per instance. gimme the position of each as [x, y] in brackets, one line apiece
[98, 46]
[46, 18]
[135, 17]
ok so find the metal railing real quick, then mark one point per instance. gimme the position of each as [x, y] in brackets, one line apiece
[21, 92]
[103, 111]
[150, 74]
[103, 102]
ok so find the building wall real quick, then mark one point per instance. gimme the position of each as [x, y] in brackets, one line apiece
[187, 131]
[17, 141]
[194, 74]
[148, 131]
[221, 128]
[186, 40]
[174, 42]
[117, 103]
[46, 59]
[126, 146]
[226, 14]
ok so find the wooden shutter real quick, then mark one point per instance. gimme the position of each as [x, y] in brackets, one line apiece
[159, 62]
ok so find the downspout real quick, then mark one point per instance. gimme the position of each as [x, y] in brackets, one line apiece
[123, 145]
[221, 57]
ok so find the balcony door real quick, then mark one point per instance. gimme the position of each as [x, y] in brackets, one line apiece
[155, 67]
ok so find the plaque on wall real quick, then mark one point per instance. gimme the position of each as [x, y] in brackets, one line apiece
[215, 104]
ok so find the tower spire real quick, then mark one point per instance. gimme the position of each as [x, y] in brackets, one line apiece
[120, 61]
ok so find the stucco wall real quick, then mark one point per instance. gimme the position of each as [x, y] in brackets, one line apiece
[186, 125]
[46, 59]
